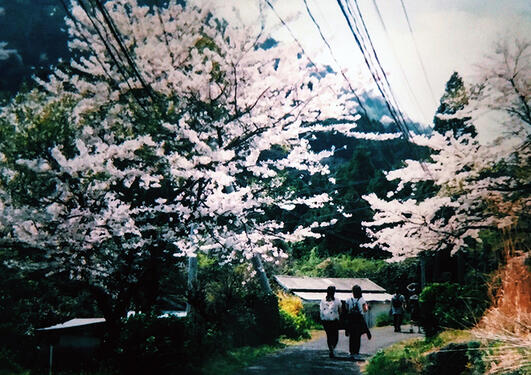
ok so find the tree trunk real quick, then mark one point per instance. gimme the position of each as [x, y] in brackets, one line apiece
[259, 268]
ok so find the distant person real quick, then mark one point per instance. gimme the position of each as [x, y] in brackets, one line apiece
[329, 309]
[413, 305]
[356, 325]
[397, 310]
[414, 310]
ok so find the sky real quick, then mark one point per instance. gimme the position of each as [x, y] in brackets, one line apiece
[450, 35]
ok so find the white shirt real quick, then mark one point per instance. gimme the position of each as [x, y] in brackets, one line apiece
[352, 301]
[330, 309]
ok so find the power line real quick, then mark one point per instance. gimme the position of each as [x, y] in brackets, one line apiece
[388, 87]
[396, 117]
[335, 59]
[375, 77]
[291, 33]
[410, 89]
[418, 52]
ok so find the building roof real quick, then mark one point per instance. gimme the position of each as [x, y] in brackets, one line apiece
[78, 322]
[314, 284]
[314, 288]
[369, 297]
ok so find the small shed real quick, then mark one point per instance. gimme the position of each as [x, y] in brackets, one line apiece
[79, 333]
[313, 289]
[73, 342]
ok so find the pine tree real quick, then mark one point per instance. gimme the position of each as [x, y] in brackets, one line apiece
[454, 99]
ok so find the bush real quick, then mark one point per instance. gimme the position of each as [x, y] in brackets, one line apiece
[149, 344]
[456, 358]
[294, 326]
[393, 361]
[384, 319]
[294, 323]
[388, 275]
[451, 353]
[448, 305]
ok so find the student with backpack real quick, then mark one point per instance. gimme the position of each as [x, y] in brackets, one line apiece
[397, 310]
[356, 325]
[330, 308]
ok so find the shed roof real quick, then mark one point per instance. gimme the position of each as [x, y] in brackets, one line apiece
[369, 297]
[77, 322]
[320, 284]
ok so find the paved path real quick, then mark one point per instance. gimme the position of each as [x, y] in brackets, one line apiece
[311, 358]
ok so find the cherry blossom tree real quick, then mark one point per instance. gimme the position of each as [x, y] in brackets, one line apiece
[477, 186]
[150, 145]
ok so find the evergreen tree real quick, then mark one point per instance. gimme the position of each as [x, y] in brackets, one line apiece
[454, 99]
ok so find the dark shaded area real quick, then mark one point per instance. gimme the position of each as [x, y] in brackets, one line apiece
[36, 30]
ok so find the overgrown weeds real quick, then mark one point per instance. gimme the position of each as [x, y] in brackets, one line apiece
[507, 324]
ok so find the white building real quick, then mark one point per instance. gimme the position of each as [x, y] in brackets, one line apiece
[313, 289]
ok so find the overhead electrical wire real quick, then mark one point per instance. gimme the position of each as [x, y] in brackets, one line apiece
[392, 112]
[402, 71]
[358, 99]
[335, 59]
[291, 33]
[113, 52]
[418, 52]
[386, 84]
[395, 113]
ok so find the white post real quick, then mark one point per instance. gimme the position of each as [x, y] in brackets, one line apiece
[192, 278]
[51, 358]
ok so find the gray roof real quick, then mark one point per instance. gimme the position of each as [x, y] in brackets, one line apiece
[343, 296]
[319, 284]
[74, 323]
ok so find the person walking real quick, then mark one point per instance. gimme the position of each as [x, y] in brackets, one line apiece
[356, 308]
[397, 310]
[330, 308]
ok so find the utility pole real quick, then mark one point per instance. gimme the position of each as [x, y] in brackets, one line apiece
[192, 274]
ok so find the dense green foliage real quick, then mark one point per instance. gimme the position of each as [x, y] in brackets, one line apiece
[391, 276]
[449, 305]
[450, 353]
[454, 99]
[229, 312]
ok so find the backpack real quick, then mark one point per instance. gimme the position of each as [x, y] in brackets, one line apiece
[354, 315]
[396, 302]
[355, 309]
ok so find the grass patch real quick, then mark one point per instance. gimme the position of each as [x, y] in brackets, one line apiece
[411, 357]
[236, 359]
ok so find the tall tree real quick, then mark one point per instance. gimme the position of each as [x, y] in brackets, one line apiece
[151, 144]
[454, 99]
[478, 186]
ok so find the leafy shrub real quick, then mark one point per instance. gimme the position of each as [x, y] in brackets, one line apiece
[388, 275]
[312, 312]
[449, 305]
[289, 303]
[384, 319]
[393, 361]
[230, 303]
[152, 345]
[456, 358]
[451, 353]
[7, 365]
[294, 323]
[294, 326]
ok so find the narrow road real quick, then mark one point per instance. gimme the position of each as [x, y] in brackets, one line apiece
[311, 358]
